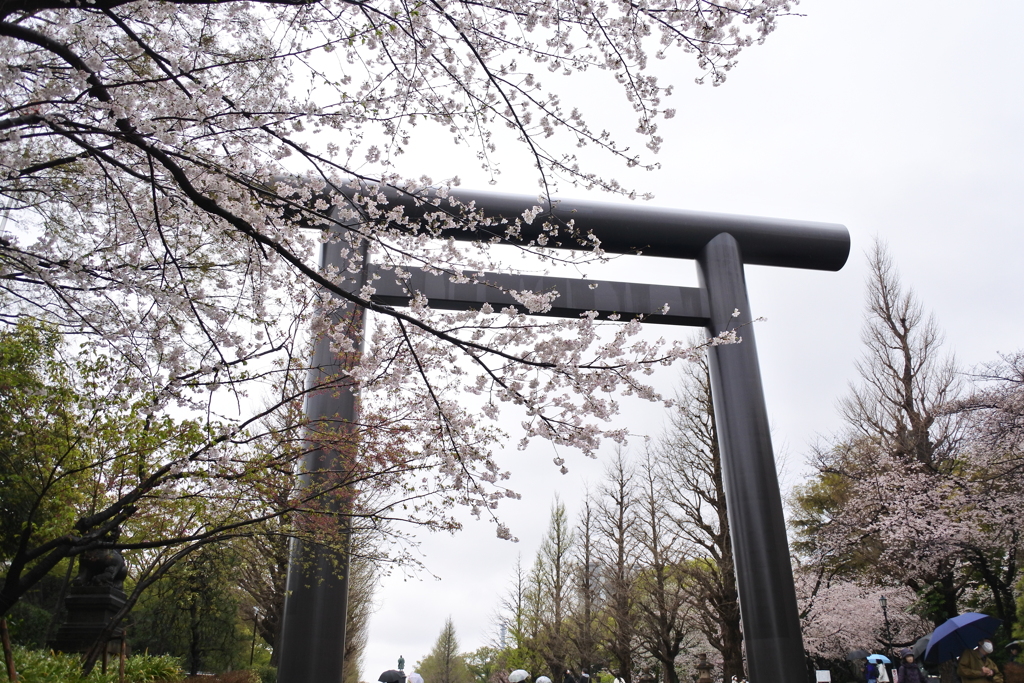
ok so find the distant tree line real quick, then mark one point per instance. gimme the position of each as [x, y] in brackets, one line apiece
[643, 578]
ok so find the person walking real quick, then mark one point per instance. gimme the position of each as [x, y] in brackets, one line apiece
[910, 671]
[883, 672]
[976, 665]
[1013, 669]
[871, 671]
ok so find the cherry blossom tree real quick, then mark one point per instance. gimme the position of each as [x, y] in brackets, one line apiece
[838, 616]
[170, 170]
[997, 406]
[170, 167]
[993, 494]
[923, 487]
[890, 476]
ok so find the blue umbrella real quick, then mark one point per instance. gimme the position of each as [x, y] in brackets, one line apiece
[958, 634]
[879, 659]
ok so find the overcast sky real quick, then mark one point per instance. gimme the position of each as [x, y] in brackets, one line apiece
[896, 118]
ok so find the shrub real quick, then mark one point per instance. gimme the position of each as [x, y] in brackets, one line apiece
[45, 666]
[244, 676]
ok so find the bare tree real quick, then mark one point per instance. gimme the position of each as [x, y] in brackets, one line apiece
[887, 504]
[691, 472]
[616, 509]
[587, 573]
[262, 577]
[363, 577]
[520, 614]
[514, 607]
[997, 406]
[663, 584]
[899, 425]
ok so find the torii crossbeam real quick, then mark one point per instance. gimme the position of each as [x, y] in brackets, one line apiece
[312, 628]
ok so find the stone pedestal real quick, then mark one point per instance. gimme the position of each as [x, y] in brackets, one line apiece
[89, 610]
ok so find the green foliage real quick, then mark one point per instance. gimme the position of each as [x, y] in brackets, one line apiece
[151, 669]
[814, 505]
[31, 620]
[1018, 629]
[523, 657]
[42, 479]
[28, 624]
[194, 613]
[41, 666]
[482, 662]
[74, 437]
[444, 664]
[267, 673]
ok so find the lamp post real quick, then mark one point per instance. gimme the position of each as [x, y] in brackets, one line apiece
[255, 625]
[885, 613]
[704, 669]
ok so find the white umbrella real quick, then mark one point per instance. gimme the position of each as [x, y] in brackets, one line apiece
[542, 679]
[518, 675]
[414, 678]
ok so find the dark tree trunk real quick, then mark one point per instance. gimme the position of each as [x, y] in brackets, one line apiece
[729, 609]
[195, 641]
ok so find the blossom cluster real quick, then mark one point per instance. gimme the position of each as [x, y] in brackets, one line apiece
[170, 169]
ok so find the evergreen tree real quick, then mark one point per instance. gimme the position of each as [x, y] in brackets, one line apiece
[444, 664]
[554, 579]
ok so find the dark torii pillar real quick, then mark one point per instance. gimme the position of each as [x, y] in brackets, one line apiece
[312, 633]
[721, 244]
[764, 574]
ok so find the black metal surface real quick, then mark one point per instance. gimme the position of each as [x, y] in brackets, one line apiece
[312, 637]
[629, 228]
[771, 623]
[687, 305]
[311, 641]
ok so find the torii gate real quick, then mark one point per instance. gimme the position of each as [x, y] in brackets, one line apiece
[311, 641]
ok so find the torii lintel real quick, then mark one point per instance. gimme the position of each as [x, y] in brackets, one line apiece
[312, 630]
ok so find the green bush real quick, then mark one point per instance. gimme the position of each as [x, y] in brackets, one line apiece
[150, 669]
[43, 666]
[267, 673]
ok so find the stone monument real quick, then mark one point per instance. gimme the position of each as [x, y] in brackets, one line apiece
[95, 595]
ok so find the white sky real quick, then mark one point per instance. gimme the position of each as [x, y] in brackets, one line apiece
[897, 118]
